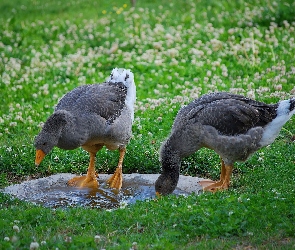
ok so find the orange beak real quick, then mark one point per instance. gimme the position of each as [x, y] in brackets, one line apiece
[39, 157]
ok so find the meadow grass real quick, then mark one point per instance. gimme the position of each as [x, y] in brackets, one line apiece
[177, 50]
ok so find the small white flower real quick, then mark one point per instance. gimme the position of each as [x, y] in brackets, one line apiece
[134, 246]
[97, 238]
[6, 238]
[16, 228]
[12, 124]
[34, 245]
[123, 204]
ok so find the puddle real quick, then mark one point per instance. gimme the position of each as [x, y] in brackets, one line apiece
[102, 197]
[53, 192]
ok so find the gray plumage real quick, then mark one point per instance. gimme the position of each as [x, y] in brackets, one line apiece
[232, 125]
[92, 116]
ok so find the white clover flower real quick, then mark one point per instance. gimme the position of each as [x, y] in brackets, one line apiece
[34, 245]
[278, 87]
[134, 246]
[97, 238]
[6, 78]
[12, 124]
[231, 31]
[251, 94]
[6, 238]
[123, 204]
[16, 228]
[224, 73]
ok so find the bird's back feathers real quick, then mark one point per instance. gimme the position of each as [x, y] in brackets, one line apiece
[106, 100]
[230, 114]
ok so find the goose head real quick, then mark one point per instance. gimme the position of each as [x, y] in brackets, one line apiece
[49, 135]
[170, 160]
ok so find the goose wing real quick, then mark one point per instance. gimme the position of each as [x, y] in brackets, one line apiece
[230, 114]
[106, 100]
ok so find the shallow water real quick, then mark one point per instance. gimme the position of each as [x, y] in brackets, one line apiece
[102, 197]
[52, 191]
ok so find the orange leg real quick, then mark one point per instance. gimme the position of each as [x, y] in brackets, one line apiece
[208, 182]
[90, 179]
[116, 180]
[223, 183]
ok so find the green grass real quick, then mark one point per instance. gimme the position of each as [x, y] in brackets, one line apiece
[177, 50]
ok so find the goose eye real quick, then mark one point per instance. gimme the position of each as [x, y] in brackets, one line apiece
[44, 143]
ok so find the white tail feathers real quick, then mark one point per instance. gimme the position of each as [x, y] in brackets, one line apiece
[121, 75]
[127, 78]
[272, 129]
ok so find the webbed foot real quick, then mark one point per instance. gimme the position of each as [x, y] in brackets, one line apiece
[116, 180]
